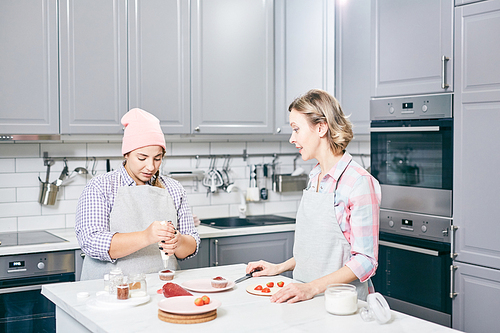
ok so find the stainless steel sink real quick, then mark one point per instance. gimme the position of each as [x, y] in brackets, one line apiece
[249, 221]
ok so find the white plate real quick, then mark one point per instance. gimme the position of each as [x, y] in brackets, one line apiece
[274, 290]
[107, 301]
[185, 305]
[205, 286]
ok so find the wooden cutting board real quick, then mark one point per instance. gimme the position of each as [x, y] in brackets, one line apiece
[187, 319]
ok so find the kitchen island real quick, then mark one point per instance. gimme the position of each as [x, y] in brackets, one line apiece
[239, 311]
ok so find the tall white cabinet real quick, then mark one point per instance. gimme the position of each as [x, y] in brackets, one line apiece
[29, 96]
[232, 63]
[158, 61]
[93, 65]
[305, 52]
[412, 47]
[476, 206]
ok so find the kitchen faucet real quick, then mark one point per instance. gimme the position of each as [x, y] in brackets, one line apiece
[242, 208]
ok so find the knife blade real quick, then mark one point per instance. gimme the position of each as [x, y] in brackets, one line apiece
[247, 276]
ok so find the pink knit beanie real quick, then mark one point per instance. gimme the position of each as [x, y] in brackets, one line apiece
[141, 129]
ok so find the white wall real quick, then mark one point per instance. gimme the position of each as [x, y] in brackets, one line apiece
[21, 164]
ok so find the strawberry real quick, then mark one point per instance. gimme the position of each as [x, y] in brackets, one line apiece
[198, 302]
[266, 290]
[270, 284]
[205, 299]
[259, 287]
[280, 284]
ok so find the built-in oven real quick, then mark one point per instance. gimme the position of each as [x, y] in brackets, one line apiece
[412, 157]
[22, 306]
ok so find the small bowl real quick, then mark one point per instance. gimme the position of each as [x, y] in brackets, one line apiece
[219, 282]
[166, 274]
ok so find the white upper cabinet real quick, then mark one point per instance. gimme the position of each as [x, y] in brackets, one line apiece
[353, 61]
[232, 66]
[28, 67]
[412, 47]
[305, 54]
[93, 65]
[159, 69]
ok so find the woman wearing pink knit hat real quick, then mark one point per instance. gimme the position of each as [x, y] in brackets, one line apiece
[124, 214]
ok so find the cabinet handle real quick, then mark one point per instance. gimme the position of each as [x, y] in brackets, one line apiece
[216, 246]
[197, 129]
[278, 130]
[444, 85]
[453, 254]
[453, 268]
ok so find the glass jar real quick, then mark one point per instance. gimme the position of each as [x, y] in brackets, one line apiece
[115, 279]
[341, 299]
[138, 285]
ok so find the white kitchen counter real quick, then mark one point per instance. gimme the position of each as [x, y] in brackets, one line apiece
[239, 312]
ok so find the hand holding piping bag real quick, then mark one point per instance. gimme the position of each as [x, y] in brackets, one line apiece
[167, 247]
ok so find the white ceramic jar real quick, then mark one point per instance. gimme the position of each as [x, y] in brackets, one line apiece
[341, 299]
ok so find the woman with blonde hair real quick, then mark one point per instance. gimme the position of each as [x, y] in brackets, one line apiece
[336, 233]
[124, 214]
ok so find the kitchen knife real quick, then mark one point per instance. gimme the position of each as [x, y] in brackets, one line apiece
[247, 276]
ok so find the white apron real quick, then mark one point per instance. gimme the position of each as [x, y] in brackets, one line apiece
[135, 208]
[320, 247]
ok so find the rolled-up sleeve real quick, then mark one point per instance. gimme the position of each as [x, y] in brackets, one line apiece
[92, 223]
[364, 206]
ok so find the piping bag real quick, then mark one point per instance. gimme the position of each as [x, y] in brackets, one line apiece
[165, 256]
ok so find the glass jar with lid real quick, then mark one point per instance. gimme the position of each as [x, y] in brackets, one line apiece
[137, 285]
[115, 279]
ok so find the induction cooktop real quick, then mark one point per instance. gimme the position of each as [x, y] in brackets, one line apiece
[28, 238]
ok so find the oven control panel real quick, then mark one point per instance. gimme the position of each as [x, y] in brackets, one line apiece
[412, 107]
[415, 225]
[36, 264]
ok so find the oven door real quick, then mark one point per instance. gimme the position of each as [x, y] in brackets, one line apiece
[22, 306]
[413, 161]
[414, 275]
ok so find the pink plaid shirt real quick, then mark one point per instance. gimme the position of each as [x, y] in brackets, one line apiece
[357, 203]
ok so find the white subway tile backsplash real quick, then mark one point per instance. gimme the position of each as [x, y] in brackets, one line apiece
[22, 163]
[7, 165]
[41, 222]
[61, 207]
[12, 150]
[17, 209]
[27, 194]
[70, 220]
[8, 194]
[8, 224]
[18, 179]
[64, 149]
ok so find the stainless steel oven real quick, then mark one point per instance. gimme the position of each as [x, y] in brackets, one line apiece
[412, 157]
[22, 306]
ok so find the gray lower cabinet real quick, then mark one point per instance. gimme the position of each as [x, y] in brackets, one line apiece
[476, 306]
[272, 247]
[29, 93]
[93, 65]
[79, 256]
[232, 64]
[476, 210]
[353, 62]
[304, 51]
[409, 41]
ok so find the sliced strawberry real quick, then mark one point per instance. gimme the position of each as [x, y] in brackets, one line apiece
[259, 287]
[270, 284]
[280, 284]
[266, 290]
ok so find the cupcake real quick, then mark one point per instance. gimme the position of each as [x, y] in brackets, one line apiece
[219, 282]
[166, 275]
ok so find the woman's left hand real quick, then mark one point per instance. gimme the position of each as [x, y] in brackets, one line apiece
[171, 244]
[294, 292]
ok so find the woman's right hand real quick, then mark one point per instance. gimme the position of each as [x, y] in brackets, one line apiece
[262, 268]
[158, 231]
